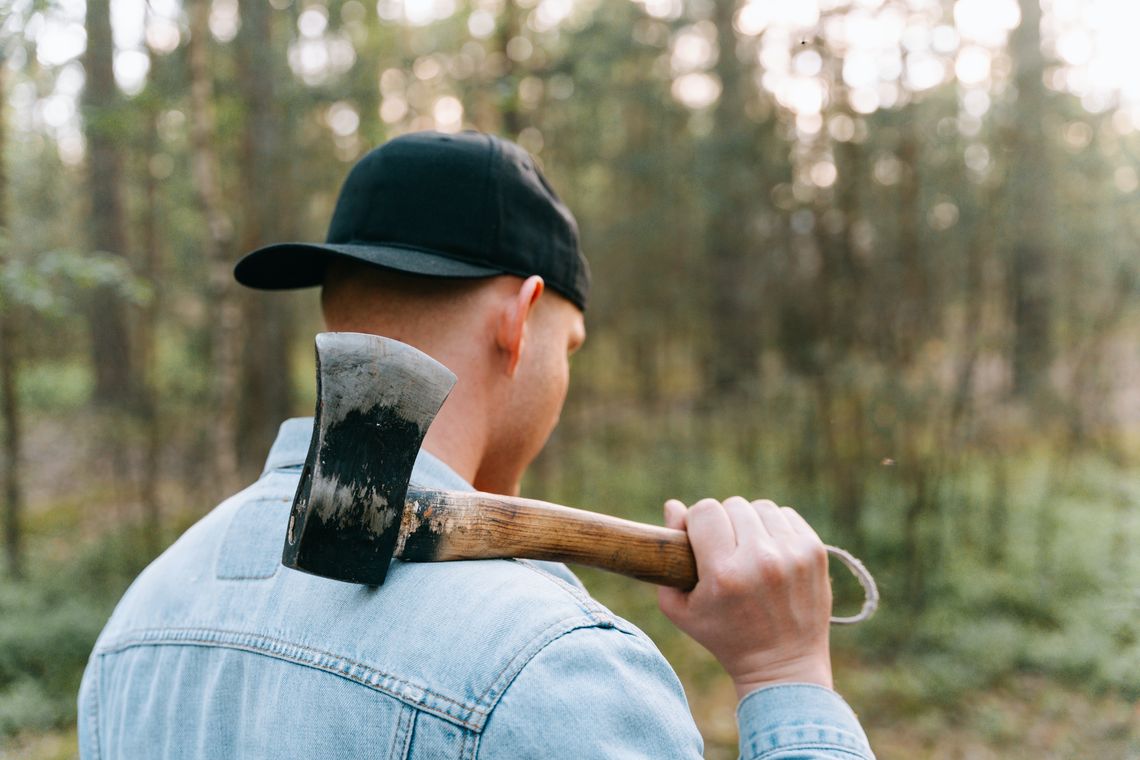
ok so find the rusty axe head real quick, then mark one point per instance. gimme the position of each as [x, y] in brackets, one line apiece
[376, 398]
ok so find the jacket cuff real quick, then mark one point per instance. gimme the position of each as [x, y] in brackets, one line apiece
[800, 718]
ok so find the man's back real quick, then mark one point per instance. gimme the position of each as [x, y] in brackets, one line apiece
[245, 658]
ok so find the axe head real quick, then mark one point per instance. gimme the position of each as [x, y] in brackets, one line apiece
[376, 398]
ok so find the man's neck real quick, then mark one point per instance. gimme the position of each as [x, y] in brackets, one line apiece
[461, 462]
[457, 436]
[461, 440]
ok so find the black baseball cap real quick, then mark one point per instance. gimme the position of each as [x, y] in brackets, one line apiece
[460, 205]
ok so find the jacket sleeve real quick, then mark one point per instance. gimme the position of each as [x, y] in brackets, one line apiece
[593, 693]
[88, 717]
[605, 693]
[798, 722]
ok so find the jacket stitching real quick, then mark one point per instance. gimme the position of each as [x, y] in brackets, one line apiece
[510, 671]
[396, 734]
[93, 709]
[470, 745]
[596, 612]
[413, 717]
[401, 739]
[370, 677]
[473, 752]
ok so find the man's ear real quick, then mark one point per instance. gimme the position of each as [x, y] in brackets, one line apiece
[511, 335]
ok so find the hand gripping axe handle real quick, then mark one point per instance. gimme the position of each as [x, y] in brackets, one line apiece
[355, 510]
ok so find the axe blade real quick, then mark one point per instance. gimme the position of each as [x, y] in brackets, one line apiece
[376, 398]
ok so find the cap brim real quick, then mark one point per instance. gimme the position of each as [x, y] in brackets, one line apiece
[302, 265]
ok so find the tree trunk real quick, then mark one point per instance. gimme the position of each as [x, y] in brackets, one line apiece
[730, 184]
[978, 248]
[9, 402]
[147, 334]
[997, 516]
[917, 562]
[1029, 271]
[507, 87]
[842, 454]
[225, 323]
[115, 379]
[265, 377]
[912, 315]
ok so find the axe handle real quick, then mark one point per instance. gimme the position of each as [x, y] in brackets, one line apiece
[450, 525]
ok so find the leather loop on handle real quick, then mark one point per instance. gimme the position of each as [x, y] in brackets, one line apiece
[866, 580]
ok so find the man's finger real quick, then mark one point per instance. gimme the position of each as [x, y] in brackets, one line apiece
[675, 514]
[799, 524]
[746, 523]
[773, 518]
[711, 536]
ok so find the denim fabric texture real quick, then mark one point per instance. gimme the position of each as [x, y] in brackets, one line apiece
[217, 651]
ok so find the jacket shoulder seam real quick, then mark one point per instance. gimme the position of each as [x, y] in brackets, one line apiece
[585, 602]
[506, 676]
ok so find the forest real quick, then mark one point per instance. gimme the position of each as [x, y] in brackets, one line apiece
[874, 259]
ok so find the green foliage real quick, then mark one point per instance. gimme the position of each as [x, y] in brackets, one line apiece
[55, 386]
[48, 283]
[44, 648]
[26, 706]
[48, 627]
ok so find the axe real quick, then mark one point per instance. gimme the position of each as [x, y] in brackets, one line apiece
[355, 509]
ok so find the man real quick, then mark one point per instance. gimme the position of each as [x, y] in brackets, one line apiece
[456, 245]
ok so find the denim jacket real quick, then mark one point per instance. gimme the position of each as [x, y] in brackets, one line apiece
[217, 651]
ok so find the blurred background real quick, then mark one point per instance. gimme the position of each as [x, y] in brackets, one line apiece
[876, 259]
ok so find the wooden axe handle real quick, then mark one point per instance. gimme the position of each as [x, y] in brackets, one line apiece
[449, 525]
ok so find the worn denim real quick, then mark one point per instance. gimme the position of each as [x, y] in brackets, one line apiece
[217, 651]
